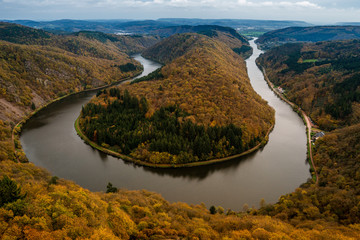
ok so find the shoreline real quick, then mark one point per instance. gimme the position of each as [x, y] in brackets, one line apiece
[305, 119]
[16, 131]
[167, 165]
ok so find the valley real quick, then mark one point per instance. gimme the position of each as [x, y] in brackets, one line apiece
[203, 83]
[77, 161]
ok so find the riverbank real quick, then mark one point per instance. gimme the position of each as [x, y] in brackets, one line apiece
[306, 121]
[16, 131]
[184, 165]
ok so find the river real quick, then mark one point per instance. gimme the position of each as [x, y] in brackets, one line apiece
[50, 141]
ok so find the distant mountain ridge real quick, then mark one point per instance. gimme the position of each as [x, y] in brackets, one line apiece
[235, 23]
[308, 34]
[146, 26]
[348, 23]
[69, 25]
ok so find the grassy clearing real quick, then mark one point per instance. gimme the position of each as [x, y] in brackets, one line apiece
[310, 60]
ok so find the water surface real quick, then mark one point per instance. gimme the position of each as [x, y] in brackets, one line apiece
[50, 141]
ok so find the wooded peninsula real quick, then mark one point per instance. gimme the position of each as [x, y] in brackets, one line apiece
[198, 106]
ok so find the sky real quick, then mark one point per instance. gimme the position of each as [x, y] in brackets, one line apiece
[313, 11]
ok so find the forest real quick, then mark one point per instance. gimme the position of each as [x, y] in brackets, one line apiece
[226, 35]
[322, 78]
[184, 112]
[165, 137]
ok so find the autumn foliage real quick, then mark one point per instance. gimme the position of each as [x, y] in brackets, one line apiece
[207, 82]
[37, 67]
[323, 79]
[63, 210]
[165, 137]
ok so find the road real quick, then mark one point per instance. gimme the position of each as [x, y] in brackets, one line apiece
[309, 126]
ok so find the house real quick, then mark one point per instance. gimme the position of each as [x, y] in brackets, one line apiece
[280, 89]
[318, 135]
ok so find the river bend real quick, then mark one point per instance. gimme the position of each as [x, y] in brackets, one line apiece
[50, 141]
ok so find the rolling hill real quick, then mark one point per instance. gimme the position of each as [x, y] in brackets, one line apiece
[322, 78]
[308, 34]
[226, 35]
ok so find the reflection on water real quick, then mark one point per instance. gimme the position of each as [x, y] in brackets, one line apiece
[200, 172]
[50, 141]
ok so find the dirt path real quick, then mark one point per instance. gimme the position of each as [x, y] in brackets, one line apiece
[306, 118]
[309, 126]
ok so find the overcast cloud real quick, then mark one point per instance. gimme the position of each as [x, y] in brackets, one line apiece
[327, 11]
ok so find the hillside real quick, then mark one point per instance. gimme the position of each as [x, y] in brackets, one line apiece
[203, 88]
[87, 43]
[129, 44]
[37, 74]
[208, 30]
[59, 209]
[322, 78]
[37, 67]
[226, 35]
[307, 34]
